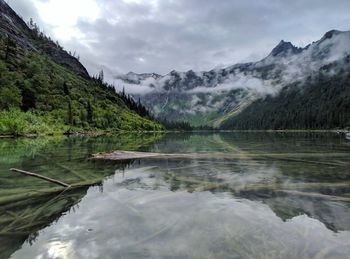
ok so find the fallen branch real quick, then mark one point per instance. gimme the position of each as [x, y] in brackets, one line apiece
[41, 177]
[290, 157]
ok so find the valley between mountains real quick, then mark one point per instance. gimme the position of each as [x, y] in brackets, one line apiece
[294, 88]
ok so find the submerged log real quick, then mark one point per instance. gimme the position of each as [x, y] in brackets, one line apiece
[40, 177]
[128, 155]
[290, 157]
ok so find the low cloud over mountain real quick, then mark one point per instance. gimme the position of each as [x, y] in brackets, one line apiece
[212, 94]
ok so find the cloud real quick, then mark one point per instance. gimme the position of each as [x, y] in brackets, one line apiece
[26, 9]
[132, 88]
[162, 35]
[241, 81]
[63, 16]
[236, 86]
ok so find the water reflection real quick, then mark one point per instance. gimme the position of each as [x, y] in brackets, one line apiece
[22, 220]
[27, 204]
[326, 202]
[283, 196]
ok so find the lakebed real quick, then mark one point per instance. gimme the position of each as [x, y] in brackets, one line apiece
[229, 195]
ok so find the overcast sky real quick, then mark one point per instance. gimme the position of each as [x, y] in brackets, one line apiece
[161, 35]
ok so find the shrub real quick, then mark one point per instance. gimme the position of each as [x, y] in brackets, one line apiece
[15, 122]
[12, 122]
[10, 97]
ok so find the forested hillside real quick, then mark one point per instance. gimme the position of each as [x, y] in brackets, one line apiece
[44, 88]
[321, 102]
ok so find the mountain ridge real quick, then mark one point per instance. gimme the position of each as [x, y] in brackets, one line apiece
[209, 96]
[281, 46]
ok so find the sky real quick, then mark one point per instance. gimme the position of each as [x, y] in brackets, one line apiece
[158, 36]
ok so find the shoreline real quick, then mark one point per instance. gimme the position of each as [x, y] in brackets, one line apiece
[100, 133]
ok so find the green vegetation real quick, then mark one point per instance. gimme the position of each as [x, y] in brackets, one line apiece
[202, 119]
[248, 100]
[38, 95]
[322, 102]
[15, 122]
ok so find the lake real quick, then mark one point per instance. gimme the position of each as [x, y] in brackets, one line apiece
[281, 195]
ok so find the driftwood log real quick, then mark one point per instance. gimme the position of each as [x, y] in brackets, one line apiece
[290, 157]
[127, 155]
[40, 177]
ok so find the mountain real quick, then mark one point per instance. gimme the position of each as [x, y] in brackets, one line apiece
[25, 37]
[44, 88]
[218, 96]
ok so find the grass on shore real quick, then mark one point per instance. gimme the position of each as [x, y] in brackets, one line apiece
[14, 122]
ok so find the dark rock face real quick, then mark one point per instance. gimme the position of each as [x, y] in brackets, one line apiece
[284, 48]
[63, 58]
[330, 34]
[14, 27]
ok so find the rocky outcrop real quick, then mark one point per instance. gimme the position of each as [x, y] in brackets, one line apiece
[11, 25]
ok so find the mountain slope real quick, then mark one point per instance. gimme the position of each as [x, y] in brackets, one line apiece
[217, 96]
[34, 40]
[38, 76]
[322, 102]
